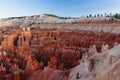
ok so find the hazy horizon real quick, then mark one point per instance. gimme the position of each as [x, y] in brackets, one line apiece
[72, 8]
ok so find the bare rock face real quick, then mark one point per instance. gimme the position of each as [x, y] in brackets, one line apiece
[58, 54]
[8, 41]
[32, 63]
[53, 63]
[46, 21]
[104, 48]
[31, 20]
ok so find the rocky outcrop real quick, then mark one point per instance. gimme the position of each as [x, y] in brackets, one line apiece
[57, 54]
[36, 19]
[101, 24]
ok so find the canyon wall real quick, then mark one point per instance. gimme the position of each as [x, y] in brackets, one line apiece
[46, 54]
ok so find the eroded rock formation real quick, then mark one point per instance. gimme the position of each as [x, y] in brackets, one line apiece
[24, 52]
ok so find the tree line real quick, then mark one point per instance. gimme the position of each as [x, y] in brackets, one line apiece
[116, 15]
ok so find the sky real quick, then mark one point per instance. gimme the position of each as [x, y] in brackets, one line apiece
[73, 8]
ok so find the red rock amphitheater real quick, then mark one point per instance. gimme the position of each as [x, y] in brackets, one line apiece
[61, 53]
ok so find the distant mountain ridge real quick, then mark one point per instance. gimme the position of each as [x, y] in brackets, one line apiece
[36, 19]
